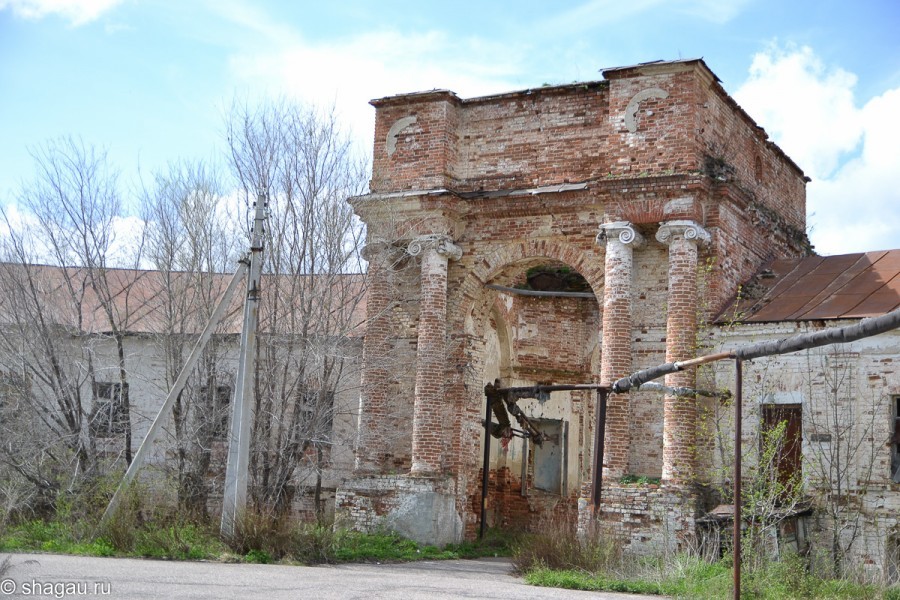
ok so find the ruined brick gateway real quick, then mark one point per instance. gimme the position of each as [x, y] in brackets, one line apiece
[656, 187]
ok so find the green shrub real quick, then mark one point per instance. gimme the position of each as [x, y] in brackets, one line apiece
[263, 532]
[313, 544]
[555, 546]
[258, 556]
[179, 540]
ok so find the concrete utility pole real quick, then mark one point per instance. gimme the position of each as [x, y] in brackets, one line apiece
[166, 408]
[234, 501]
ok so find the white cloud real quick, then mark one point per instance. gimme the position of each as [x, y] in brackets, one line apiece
[126, 240]
[809, 110]
[850, 151]
[859, 207]
[25, 225]
[77, 12]
[350, 72]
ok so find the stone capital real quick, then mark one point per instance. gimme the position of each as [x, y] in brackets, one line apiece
[374, 248]
[442, 244]
[688, 230]
[621, 230]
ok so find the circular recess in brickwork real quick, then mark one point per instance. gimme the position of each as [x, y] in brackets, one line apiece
[398, 126]
[635, 104]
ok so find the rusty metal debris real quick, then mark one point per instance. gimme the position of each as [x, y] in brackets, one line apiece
[503, 403]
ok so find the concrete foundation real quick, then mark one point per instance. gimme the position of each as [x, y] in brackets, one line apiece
[418, 508]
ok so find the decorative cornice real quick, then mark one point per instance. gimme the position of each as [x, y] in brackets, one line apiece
[689, 230]
[442, 244]
[623, 230]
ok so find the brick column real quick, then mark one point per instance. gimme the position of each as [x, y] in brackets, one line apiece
[680, 414]
[375, 378]
[430, 411]
[615, 362]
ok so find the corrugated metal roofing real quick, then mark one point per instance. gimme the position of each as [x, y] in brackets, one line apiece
[847, 286]
[142, 301]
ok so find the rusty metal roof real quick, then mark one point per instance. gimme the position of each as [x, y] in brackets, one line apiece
[847, 286]
[141, 299]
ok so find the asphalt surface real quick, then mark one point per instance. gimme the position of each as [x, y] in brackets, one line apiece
[70, 577]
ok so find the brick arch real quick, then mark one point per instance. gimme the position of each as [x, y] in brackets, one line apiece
[497, 262]
[503, 336]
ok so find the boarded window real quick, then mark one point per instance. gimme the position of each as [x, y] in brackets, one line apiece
[109, 418]
[789, 459]
[550, 457]
[895, 440]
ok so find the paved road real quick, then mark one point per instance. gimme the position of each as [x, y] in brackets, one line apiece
[72, 577]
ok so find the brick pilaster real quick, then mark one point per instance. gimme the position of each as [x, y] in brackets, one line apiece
[620, 238]
[680, 414]
[375, 378]
[431, 408]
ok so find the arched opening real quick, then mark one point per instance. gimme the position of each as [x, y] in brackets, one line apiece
[537, 322]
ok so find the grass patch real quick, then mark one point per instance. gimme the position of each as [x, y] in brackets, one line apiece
[579, 580]
[693, 578]
[178, 541]
[352, 546]
[184, 541]
[556, 558]
[41, 536]
[258, 538]
[385, 547]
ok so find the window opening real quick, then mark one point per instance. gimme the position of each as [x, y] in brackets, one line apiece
[218, 404]
[317, 412]
[109, 418]
[895, 441]
[789, 457]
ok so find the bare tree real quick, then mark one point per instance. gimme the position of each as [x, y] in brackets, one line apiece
[59, 319]
[770, 493]
[48, 377]
[312, 289]
[75, 202]
[190, 242]
[842, 425]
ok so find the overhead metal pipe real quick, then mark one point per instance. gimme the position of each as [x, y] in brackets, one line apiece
[834, 335]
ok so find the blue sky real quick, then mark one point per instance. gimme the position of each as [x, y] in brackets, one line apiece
[150, 81]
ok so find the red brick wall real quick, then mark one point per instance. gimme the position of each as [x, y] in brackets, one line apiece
[691, 155]
[553, 338]
[664, 141]
[425, 151]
